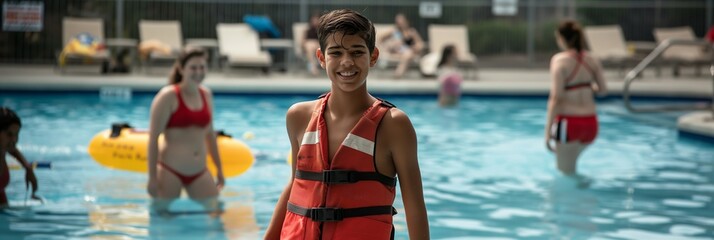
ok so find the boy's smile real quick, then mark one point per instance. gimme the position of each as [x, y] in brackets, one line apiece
[347, 60]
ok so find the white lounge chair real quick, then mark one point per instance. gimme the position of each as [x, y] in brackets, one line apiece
[679, 55]
[443, 35]
[239, 46]
[299, 29]
[71, 27]
[166, 40]
[607, 43]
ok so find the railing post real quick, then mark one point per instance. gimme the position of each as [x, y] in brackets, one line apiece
[632, 75]
[119, 25]
[530, 35]
[710, 12]
[303, 11]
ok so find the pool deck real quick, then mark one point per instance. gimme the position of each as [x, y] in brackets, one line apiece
[490, 82]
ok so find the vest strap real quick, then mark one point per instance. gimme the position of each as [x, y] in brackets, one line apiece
[338, 214]
[345, 176]
[386, 103]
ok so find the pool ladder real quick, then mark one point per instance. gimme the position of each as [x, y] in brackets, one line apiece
[632, 75]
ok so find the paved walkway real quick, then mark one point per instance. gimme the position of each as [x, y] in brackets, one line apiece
[490, 82]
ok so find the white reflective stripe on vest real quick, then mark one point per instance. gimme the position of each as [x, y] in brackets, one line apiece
[311, 137]
[359, 143]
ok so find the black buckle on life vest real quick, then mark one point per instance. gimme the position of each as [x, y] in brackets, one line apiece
[326, 214]
[323, 214]
[386, 103]
[338, 177]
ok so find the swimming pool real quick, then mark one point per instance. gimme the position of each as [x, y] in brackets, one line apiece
[486, 173]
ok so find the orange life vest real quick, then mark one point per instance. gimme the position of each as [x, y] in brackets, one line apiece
[345, 198]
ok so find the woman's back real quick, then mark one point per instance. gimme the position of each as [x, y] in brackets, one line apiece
[576, 74]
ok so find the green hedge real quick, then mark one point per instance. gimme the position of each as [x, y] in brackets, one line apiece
[509, 37]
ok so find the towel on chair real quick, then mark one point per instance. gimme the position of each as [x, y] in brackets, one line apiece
[85, 45]
[147, 47]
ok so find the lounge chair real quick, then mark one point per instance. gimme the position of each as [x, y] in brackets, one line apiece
[81, 55]
[161, 42]
[299, 29]
[607, 44]
[239, 46]
[443, 35]
[680, 55]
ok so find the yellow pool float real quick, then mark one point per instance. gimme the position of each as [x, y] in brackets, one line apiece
[125, 148]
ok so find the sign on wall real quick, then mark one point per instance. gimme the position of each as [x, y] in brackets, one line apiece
[505, 7]
[23, 16]
[430, 9]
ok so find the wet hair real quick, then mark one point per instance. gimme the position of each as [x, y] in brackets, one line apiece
[181, 61]
[348, 22]
[572, 34]
[7, 118]
[446, 54]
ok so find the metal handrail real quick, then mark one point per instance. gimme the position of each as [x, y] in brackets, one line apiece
[646, 62]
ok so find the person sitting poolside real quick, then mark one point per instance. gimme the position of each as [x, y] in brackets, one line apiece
[405, 42]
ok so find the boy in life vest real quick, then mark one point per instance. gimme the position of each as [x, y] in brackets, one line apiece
[348, 148]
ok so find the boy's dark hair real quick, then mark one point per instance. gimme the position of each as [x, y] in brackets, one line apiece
[186, 55]
[446, 54]
[348, 22]
[7, 118]
[572, 34]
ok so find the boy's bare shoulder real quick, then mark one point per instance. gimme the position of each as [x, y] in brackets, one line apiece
[396, 120]
[301, 109]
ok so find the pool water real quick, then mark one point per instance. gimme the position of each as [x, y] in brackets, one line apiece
[485, 169]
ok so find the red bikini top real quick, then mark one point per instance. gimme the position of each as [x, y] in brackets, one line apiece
[184, 117]
[581, 62]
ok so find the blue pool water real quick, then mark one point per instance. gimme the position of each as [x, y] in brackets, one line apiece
[486, 173]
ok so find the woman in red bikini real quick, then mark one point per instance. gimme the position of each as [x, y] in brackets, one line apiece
[576, 77]
[182, 112]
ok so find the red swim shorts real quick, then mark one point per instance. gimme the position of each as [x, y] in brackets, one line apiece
[575, 128]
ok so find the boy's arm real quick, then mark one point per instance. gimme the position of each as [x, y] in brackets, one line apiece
[404, 154]
[294, 123]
